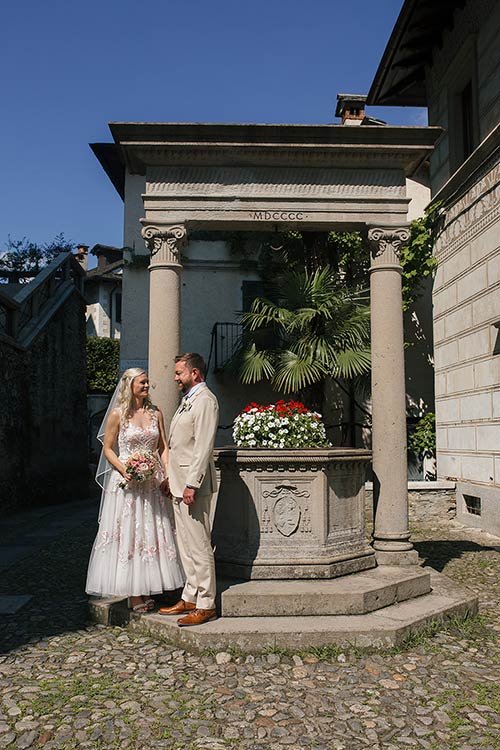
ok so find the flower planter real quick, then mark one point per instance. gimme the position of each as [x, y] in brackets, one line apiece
[291, 513]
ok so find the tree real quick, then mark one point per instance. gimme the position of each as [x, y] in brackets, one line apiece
[320, 328]
[103, 362]
[26, 258]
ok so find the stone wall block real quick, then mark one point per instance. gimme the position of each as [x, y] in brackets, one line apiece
[446, 355]
[442, 437]
[438, 330]
[458, 321]
[449, 466]
[494, 270]
[495, 399]
[444, 298]
[484, 244]
[471, 284]
[456, 264]
[448, 410]
[487, 373]
[488, 438]
[461, 438]
[475, 407]
[486, 307]
[477, 344]
[440, 384]
[461, 379]
[478, 468]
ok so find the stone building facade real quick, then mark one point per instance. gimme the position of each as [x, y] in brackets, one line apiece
[43, 426]
[103, 292]
[455, 72]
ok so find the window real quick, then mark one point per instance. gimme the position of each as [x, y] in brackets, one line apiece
[463, 124]
[118, 307]
[249, 291]
[466, 106]
[473, 504]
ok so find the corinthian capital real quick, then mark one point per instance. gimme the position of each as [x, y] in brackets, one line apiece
[165, 243]
[386, 244]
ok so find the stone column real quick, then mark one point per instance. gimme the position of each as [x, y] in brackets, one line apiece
[164, 312]
[390, 468]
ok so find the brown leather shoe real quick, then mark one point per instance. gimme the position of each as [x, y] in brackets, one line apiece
[197, 617]
[178, 609]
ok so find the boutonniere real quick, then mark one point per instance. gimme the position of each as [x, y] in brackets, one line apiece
[186, 404]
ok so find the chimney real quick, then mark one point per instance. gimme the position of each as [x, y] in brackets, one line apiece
[82, 256]
[351, 108]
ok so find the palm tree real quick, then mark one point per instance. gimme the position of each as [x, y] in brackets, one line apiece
[319, 329]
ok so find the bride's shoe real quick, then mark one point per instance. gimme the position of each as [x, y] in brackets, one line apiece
[140, 608]
[150, 604]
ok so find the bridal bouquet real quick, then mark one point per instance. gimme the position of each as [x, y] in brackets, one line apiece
[142, 466]
[285, 424]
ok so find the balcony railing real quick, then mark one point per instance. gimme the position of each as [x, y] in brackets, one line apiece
[23, 313]
[226, 340]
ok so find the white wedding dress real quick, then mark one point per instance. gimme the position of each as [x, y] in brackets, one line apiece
[134, 552]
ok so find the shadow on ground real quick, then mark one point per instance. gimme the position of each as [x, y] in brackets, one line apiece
[52, 574]
[437, 553]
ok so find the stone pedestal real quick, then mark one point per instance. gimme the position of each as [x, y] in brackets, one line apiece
[291, 514]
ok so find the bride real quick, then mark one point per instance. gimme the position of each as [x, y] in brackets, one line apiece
[134, 553]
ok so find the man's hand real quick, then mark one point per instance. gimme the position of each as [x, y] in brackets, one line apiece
[165, 487]
[188, 495]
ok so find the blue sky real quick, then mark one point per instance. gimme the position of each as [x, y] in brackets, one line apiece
[70, 68]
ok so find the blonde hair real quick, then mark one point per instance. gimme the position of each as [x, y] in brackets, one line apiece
[124, 397]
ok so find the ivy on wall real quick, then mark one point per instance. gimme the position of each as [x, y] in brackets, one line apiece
[103, 362]
[417, 258]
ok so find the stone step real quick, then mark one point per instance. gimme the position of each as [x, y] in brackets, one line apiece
[384, 628]
[357, 593]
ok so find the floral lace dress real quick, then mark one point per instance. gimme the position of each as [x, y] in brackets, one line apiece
[134, 552]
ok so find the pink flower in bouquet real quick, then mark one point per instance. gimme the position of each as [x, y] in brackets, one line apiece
[141, 466]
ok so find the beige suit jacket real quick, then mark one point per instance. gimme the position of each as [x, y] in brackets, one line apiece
[191, 442]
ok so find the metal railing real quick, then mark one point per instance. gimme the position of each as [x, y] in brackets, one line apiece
[226, 340]
[20, 313]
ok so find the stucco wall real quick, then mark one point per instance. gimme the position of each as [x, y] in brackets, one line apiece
[43, 422]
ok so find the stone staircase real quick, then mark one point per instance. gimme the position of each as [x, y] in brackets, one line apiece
[377, 608]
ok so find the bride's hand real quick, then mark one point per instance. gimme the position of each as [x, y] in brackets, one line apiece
[165, 486]
[126, 476]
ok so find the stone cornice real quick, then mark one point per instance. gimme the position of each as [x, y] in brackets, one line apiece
[482, 159]
[220, 134]
[307, 457]
[147, 144]
[141, 145]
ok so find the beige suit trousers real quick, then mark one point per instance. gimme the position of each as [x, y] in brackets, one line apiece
[194, 541]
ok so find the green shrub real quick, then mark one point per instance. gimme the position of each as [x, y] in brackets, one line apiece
[103, 362]
[423, 438]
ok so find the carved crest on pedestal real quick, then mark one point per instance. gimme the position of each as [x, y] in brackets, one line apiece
[287, 511]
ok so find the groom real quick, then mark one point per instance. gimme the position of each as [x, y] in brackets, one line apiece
[192, 482]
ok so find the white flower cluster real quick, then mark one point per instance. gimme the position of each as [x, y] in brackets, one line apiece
[269, 429]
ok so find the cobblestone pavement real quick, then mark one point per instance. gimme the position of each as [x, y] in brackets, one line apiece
[67, 685]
